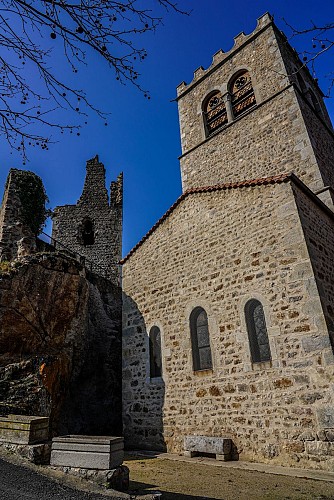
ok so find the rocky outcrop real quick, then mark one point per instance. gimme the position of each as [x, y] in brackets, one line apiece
[60, 345]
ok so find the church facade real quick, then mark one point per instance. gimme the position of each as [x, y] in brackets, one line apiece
[228, 319]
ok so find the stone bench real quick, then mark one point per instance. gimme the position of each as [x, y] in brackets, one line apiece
[195, 445]
[87, 452]
[24, 429]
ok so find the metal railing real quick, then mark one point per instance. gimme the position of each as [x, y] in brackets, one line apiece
[54, 245]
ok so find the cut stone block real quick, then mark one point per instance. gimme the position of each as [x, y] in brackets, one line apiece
[87, 452]
[24, 429]
[221, 447]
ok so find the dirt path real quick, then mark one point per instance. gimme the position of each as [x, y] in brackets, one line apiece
[185, 481]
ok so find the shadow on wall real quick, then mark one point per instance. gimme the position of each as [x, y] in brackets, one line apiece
[143, 390]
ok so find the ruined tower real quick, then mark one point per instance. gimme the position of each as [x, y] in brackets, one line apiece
[93, 227]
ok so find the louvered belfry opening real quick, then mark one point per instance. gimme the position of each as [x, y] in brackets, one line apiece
[242, 94]
[215, 115]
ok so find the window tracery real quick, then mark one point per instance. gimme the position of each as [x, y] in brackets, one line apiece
[214, 110]
[242, 93]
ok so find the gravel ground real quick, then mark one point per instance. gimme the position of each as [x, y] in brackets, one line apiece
[185, 481]
[21, 483]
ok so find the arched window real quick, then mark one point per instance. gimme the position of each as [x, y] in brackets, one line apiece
[214, 112]
[200, 340]
[242, 93]
[155, 352]
[257, 331]
[87, 232]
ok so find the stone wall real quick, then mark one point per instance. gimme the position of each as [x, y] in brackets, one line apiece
[318, 226]
[104, 215]
[217, 249]
[274, 137]
[60, 345]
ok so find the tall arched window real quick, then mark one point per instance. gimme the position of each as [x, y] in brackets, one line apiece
[155, 352]
[257, 331]
[214, 112]
[242, 93]
[200, 340]
[87, 232]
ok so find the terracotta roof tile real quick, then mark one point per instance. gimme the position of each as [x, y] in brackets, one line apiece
[276, 179]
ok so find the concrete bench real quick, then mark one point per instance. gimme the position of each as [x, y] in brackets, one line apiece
[195, 445]
[24, 429]
[87, 452]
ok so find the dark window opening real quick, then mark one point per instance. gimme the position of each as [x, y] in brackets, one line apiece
[200, 340]
[155, 352]
[257, 331]
[242, 94]
[88, 237]
[214, 111]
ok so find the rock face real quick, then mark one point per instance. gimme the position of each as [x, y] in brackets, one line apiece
[60, 345]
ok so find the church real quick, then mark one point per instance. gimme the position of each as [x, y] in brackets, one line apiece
[228, 300]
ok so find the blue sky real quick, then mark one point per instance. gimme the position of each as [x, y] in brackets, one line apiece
[142, 137]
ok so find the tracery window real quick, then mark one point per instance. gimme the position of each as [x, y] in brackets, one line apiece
[87, 232]
[257, 331]
[155, 352]
[242, 93]
[214, 111]
[200, 340]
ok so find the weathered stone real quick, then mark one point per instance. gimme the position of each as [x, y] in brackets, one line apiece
[316, 343]
[208, 444]
[326, 417]
[24, 429]
[87, 452]
[38, 454]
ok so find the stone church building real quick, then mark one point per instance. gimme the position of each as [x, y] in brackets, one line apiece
[228, 300]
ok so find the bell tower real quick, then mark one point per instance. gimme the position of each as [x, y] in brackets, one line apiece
[255, 112]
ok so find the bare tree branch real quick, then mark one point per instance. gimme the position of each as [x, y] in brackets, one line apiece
[29, 30]
[319, 40]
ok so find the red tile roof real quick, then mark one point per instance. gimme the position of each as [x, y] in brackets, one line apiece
[276, 179]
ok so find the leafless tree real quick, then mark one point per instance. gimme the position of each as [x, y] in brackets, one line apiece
[319, 39]
[32, 30]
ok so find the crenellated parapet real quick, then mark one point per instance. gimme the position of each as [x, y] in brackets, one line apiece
[220, 56]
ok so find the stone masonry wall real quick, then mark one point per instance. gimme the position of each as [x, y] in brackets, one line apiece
[318, 228]
[267, 140]
[106, 217]
[16, 238]
[217, 250]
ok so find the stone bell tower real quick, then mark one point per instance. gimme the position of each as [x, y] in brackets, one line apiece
[255, 112]
[93, 227]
